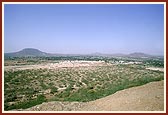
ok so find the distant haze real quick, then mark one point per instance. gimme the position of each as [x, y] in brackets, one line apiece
[84, 29]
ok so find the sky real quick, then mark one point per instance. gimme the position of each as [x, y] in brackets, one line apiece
[85, 28]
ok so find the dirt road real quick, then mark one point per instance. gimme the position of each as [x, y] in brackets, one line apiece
[149, 97]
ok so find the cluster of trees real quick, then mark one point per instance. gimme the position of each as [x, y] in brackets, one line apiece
[155, 63]
[71, 58]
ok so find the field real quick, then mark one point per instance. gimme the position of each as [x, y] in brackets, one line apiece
[32, 81]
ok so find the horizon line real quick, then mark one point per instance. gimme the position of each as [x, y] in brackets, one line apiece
[92, 53]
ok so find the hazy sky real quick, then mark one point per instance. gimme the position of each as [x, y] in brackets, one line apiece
[85, 28]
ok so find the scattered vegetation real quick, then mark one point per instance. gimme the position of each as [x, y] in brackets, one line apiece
[27, 88]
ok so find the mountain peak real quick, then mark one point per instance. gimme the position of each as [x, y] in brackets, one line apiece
[30, 50]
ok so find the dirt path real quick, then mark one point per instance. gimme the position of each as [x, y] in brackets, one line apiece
[149, 97]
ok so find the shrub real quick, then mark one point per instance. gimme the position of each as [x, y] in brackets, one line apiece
[23, 105]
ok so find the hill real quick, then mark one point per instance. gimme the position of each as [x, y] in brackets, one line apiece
[139, 55]
[149, 97]
[26, 53]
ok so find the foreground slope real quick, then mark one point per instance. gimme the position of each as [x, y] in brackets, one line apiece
[149, 97]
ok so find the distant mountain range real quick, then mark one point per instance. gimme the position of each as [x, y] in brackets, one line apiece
[31, 52]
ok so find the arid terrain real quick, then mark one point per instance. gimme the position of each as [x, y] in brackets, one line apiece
[149, 97]
[83, 83]
[83, 57]
[60, 64]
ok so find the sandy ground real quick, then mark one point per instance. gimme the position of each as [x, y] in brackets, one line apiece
[154, 68]
[149, 97]
[60, 64]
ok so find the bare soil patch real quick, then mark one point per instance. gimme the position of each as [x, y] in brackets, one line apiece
[60, 64]
[156, 69]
